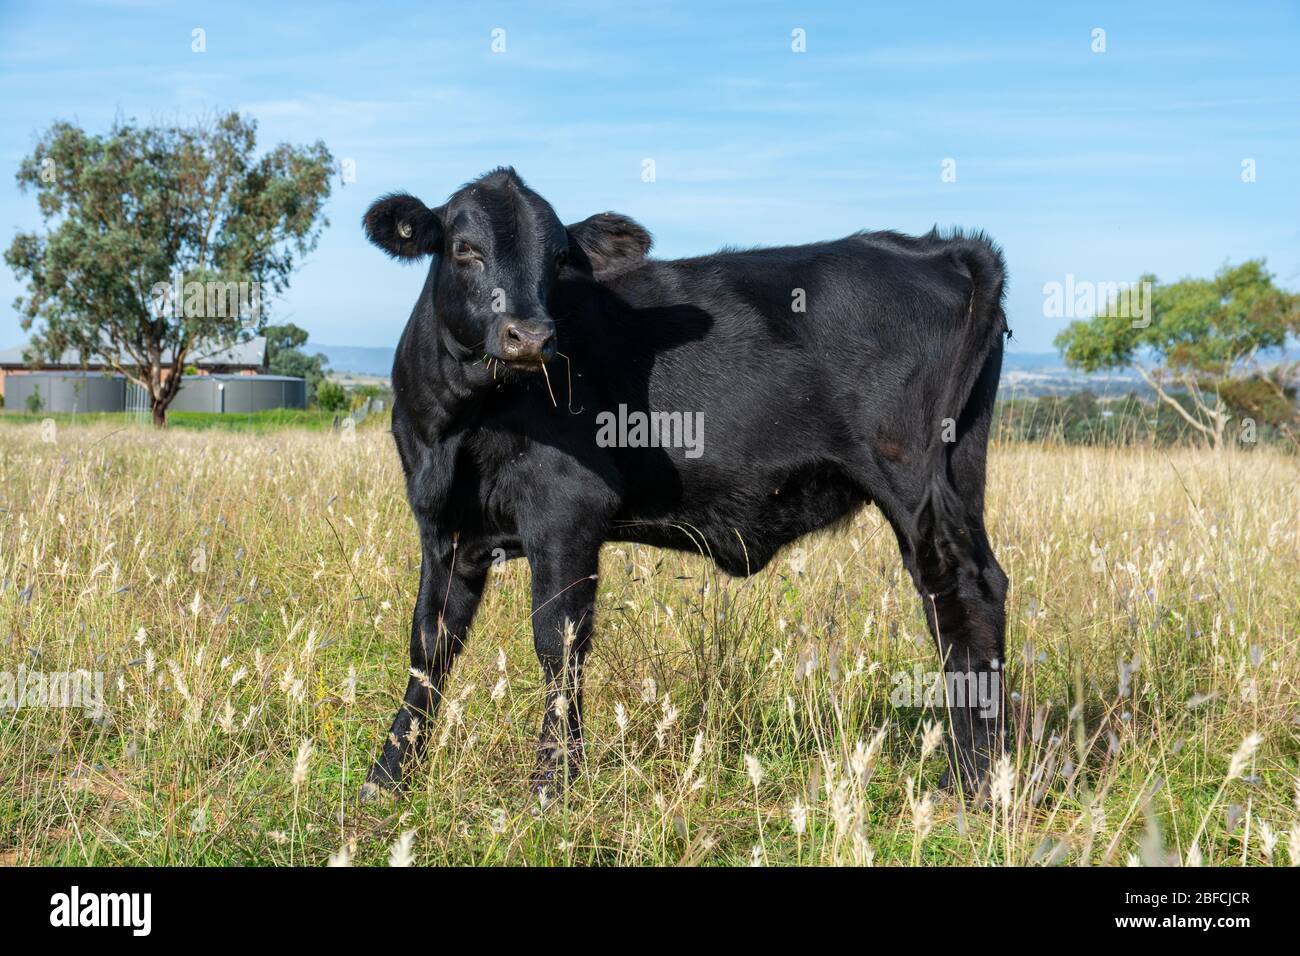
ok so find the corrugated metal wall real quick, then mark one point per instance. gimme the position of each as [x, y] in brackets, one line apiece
[93, 392]
[66, 392]
[239, 394]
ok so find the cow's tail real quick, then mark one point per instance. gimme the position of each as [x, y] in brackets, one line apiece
[976, 337]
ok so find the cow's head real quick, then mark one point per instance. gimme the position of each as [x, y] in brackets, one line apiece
[498, 251]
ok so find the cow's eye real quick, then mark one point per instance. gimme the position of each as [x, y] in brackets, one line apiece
[462, 251]
[561, 259]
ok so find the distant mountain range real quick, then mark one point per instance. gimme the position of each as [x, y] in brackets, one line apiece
[1031, 360]
[372, 360]
[1024, 374]
[1034, 374]
[358, 359]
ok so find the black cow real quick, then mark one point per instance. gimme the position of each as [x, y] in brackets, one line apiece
[818, 378]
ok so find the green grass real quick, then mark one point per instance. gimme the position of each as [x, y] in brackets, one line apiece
[312, 419]
[243, 594]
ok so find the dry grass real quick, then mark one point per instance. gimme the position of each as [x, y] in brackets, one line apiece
[1154, 620]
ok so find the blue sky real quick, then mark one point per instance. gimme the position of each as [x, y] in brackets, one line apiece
[1103, 165]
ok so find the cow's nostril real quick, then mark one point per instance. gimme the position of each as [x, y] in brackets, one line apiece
[525, 341]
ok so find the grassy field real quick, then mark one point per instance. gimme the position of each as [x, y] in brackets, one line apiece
[246, 597]
[270, 419]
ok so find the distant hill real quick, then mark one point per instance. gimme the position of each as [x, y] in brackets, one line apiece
[1032, 360]
[369, 360]
[359, 359]
[1024, 374]
[1034, 374]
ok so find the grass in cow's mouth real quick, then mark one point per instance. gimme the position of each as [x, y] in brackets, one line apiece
[493, 364]
[248, 602]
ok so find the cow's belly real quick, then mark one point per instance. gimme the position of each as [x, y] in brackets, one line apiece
[741, 524]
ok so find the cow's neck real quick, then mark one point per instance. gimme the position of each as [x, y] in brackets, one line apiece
[431, 378]
[446, 384]
[455, 392]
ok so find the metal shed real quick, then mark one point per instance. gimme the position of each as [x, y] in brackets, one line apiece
[239, 393]
[67, 391]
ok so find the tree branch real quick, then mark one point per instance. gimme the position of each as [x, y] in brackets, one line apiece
[1169, 400]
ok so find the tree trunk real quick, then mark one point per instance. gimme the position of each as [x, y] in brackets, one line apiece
[160, 394]
[1212, 436]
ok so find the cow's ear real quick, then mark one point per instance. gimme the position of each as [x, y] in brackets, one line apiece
[403, 227]
[608, 242]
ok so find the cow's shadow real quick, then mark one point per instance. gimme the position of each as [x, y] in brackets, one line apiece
[609, 354]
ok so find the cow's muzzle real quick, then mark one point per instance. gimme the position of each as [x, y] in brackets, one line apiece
[527, 341]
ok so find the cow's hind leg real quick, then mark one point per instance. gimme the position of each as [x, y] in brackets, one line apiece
[937, 516]
[963, 591]
[964, 594]
[928, 476]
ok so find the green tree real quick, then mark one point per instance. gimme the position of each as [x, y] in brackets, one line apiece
[332, 397]
[149, 231]
[1268, 397]
[284, 356]
[1193, 341]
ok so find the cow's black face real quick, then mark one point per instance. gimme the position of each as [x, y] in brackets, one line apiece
[499, 249]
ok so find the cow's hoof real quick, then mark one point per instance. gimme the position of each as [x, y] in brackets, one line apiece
[971, 784]
[554, 772]
[372, 792]
[543, 785]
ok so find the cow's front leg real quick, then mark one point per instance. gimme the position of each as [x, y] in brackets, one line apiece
[451, 583]
[564, 596]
